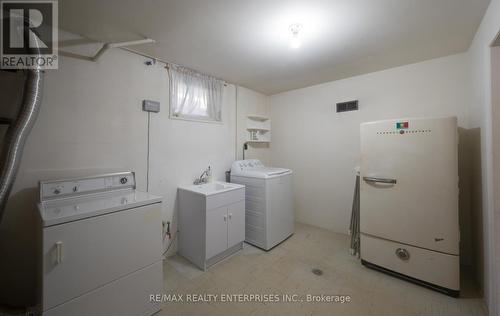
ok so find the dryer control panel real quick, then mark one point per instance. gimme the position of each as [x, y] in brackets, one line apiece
[74, 187]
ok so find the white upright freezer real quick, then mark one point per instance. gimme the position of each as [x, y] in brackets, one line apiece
[409, 200]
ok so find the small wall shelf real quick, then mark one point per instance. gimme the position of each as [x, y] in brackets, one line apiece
[257, 117]
[258, 141]
[258, 129]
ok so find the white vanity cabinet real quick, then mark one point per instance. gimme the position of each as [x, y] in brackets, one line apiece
[225, 228]
[211, 222]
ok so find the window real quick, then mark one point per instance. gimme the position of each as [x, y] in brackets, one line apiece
[195, 96]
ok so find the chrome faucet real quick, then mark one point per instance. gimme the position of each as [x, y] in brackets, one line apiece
[203, 178]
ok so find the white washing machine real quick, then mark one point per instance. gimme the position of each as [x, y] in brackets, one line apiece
[269, 211]
[101, 247]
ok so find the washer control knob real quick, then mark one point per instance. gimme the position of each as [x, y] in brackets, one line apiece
[123, 180]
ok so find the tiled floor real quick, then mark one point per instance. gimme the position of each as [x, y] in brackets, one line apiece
[286, 269]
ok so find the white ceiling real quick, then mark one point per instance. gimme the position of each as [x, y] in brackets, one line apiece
[247, 42]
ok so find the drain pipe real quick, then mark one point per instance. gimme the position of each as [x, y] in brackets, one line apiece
[18, 131]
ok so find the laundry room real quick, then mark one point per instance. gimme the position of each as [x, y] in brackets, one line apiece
[253, 158]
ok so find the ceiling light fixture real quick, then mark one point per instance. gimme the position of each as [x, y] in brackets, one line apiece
[295, 41]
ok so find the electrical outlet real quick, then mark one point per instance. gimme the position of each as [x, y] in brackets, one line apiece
[168, 231]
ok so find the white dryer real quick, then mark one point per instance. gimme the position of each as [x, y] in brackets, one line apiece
[101, 247]
[269, 211]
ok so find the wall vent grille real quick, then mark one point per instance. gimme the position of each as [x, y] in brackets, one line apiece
[347, 106]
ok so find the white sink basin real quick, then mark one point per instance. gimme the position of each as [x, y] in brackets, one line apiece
[213, 187]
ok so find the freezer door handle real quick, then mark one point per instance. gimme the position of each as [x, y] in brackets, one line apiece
[379, 180]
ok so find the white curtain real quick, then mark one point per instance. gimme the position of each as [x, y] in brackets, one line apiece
[194, 95]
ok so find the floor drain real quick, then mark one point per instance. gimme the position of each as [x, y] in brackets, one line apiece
[317, 271]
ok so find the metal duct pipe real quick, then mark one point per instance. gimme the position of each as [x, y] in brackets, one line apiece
[18, 131]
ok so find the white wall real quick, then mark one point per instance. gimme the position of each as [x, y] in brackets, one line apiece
[181, 150]
[480, 117]
[322, 147]
[251, 102]
[91, 121]
[495, 102]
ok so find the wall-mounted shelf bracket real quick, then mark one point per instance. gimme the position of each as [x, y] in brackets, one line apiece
[106, 46]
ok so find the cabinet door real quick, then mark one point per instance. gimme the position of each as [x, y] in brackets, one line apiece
[421, 207]
[216, 231]
[95, 251]
[236, 224]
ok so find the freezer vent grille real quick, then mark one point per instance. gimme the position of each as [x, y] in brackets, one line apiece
[347, 106]
[405, 131]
